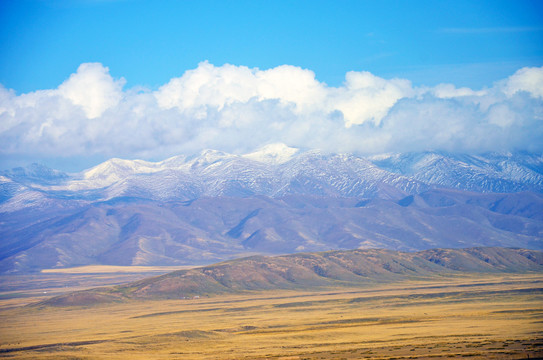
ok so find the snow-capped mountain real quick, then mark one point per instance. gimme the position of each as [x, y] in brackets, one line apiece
[273, 154]
[215, 206]
[273, 171]
[277, 170]
[489, 172]
[35, 174]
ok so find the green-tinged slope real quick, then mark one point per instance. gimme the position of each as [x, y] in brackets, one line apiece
[312, 270]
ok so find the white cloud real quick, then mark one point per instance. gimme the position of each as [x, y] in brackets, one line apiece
[208, 85]
[92, 88]
[238, 109]
[366, 97]
[448, 91]
[526, 79]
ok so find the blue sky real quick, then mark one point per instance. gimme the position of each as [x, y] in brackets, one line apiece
[84, 80]
[148, 42]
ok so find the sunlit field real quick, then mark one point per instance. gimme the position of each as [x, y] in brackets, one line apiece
[496, 317]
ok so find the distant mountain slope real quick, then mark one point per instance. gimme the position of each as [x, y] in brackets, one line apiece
[131, 231]
[310, 270]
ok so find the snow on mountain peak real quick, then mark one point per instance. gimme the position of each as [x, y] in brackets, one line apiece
[119, 167]
[278, 169]
[173, 162]
[113, 170]
[277, 153]
[208, 157]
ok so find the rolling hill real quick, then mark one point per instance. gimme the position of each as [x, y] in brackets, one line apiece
[313, 270]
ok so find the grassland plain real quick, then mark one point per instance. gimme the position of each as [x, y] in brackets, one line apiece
[475, 317]
[22, 289]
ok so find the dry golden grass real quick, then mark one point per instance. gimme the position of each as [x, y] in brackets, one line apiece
[496, 317]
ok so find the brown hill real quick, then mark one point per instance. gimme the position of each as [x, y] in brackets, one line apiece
[312, 270]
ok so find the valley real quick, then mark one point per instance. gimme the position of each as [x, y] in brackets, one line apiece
[477, 316]
[481, 303]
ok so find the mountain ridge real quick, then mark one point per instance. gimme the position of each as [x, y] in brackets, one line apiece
[311, 271]
[214, 173]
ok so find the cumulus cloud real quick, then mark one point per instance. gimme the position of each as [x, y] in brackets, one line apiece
[92, 88]
[237, 109]
[366, 97]
[529, 80]
[449, 91]
[210, 86]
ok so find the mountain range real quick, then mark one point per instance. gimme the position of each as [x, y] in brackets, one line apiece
[216, 206]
